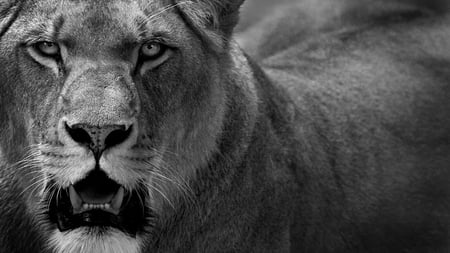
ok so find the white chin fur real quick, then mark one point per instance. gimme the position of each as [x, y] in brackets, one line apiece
[90, 240]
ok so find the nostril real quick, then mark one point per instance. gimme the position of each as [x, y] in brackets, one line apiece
[98, 138]
[78, 134]
[118, 136]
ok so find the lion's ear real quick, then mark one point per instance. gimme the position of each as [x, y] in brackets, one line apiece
[8, 11]
[219, 15]
[224, 13]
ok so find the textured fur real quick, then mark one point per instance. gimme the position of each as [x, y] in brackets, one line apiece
[90, 242]
[336, 140]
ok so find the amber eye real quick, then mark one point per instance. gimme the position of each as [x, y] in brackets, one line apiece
[47, 48]
[152, 51]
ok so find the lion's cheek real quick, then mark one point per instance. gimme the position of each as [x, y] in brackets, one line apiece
[194, 136]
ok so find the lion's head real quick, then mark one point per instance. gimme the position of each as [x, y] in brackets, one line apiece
[111, 108]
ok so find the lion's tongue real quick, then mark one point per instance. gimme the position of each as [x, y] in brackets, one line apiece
[92, 198]
[95, 195]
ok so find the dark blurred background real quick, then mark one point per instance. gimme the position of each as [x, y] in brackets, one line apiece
[254, 10]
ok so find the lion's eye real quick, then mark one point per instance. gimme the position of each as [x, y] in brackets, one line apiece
[46, 48]
[152, 51]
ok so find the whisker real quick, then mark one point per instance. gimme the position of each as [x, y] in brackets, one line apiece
[164, 173]
[36, 183]
[142, 202]
[154, 187]
[49, 200]
[165, 9]
[172, 174]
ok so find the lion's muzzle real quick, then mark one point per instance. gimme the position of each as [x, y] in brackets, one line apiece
[99, 128]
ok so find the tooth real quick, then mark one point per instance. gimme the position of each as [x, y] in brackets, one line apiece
[75, 199]
[116, 202]
[113, 206]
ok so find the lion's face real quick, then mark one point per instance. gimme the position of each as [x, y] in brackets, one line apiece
[119, 111]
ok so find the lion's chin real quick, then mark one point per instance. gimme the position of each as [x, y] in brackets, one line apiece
[94, 240]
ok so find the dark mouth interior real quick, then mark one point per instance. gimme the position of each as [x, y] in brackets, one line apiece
[98, 201]
[97, 186]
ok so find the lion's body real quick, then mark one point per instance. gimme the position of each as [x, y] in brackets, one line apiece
[373, 126]
[338, 141]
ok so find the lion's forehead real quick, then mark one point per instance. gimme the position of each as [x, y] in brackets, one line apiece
[126, 6]
[91, 22]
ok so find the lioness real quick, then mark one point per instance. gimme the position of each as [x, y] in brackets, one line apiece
[141, 126]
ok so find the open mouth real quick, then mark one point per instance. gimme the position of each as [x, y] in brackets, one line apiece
[98, 201]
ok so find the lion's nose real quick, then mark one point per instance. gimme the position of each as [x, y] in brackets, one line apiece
[98, 139]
